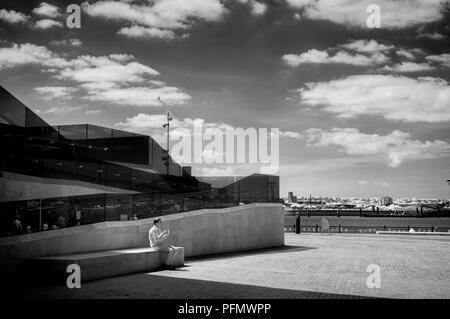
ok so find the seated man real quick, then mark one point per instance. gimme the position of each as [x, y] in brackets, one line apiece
[159, 238]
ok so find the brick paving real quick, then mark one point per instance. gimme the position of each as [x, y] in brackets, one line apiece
[309, 266]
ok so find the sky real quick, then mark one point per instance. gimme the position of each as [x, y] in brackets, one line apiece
[361, 111]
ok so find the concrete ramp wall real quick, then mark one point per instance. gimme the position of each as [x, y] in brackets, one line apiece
[201, 232]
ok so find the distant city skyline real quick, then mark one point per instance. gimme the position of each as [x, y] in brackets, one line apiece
[362, 112]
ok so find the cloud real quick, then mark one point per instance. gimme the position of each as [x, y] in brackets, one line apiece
[70, 42]
[406, 67]
[161, 14]
[432, 36]
[362, 53]
[110, 69]
[142, 122]
[406, 54]
[362, 182]
[366, 46]
[47, 10]
[12, 16]
[140, 96]
[93, 112]
[47, 24]
[394, 14]
[397, 98]
[256, 8]
[397, 147]
[314, 56]
[55, 92]
[143, 32]
[116, 78]
[443, 59]
[61, 110]
[22, 54]
[290, 134]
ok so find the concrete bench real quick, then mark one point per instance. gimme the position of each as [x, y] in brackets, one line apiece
[100, 264]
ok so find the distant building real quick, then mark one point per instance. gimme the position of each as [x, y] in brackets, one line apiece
[291, 197]
[386, 201]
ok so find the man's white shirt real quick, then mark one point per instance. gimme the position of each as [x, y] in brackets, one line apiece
[153, 235]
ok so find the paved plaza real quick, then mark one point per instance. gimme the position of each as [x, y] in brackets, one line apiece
[309, 266]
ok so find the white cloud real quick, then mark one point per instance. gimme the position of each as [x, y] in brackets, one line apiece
[142, 122]
[143, 32]
[406, 54]
[55, 92]
[116, 78]
[47, 10]
[140, 96]
[61, 110]
[93, 112]
[398, 98]
[406, 67]
[322, 57]
[162, 14]
[110, 69]
[12, 16]
[355, 52]
[47, 24]
[362, 182]
[256, 7]
[290, 134]
[366, 46]
[433, 36]
[443, 59]
[22, 54]
[394, 14]
[70, 42]
[397, 147]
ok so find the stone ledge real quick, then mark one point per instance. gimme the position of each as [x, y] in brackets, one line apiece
[97, 265]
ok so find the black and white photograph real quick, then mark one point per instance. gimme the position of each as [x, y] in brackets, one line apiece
[235, 151]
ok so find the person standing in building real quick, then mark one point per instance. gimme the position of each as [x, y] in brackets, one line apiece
[17, 226]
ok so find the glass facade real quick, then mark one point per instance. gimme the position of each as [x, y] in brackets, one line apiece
[129, 164]
[83, 152]
[254, 188]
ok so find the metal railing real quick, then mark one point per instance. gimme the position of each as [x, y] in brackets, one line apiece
[342, 229]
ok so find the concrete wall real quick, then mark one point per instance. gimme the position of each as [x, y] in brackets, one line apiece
[206, 231]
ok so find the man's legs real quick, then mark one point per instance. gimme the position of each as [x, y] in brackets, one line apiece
[170, 255]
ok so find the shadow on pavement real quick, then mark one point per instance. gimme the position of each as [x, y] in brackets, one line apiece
[263, 251]
[149, 286]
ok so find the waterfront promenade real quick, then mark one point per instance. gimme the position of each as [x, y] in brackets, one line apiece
[309, 266]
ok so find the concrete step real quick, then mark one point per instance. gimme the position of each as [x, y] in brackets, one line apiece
[96, 265]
